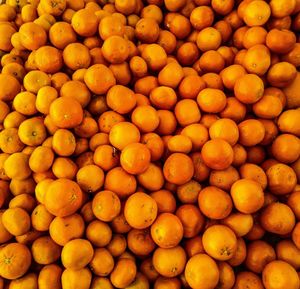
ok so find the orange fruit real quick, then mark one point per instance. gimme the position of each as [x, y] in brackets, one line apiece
[115, 49]
[70, 198]
[197, 275]
[214, 203]
[247, 196]
[211, 100]
[135, 158]
[120, 99]
[167, 230]
[249, 88]
[140, 210]
[278, 218]
[16, 260]
[169, 262]
[99, 78]
[285, 274]
[85, 22]
[259, 254]
[219, 242]
[178, 169]
[106, 205]
[256, 13]
[217, 154]
[66, 112]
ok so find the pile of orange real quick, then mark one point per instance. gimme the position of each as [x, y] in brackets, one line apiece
[150, 144]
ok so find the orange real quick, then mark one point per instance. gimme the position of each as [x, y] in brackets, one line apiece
[50, 274]
[135, 158]
[230, 75]
[280, 41]
[155, 144]
[219, 242]
[240, 223]
[225, 129]
[76, 56]
[201, 271]
[171, 75]
[16, 221]
[202, 17]
[256, 13]
[115, 49]
[285, 274]
[61, 34]
[247, 196]
[255, 173]
[140, 242]
[191, 219]
[102, 263]
[247, 278]
[281, 179]
[209, 39]
[55, 8]
[217, 154]
[211, 61]
[45, 251]
[252, 132]
[286, 148]
[165, 200]
[178, 169]
[85, 182]
[214, 203]
[71, 278]
[154, 55]
[145, 117]
[179, 25]
[281, 74]
[167, 230]
[187, 54]
[69, 195]
[66, 112]
[169, 262]
[16, 166]
[163, 97]
[223, 179]
[18, 257]
[64, 229]
[257, 59]
[187, 112]
[9, 87]
[263, 109]
[48, 59]
[249, 88]
[278, 218]
[140, 210]
[123, 133]
[190, 86]
[32, 36]
[120, 182]
[179, 144]
[106, 205]
[110, 26]
[120, 99]
[74, 258]
[259, 254]
[147, 30]
[123, 273]
[211, 100]
[85, 22]
[287, 251]
[96, 83]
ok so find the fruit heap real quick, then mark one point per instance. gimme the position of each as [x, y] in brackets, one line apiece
[150, 144]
